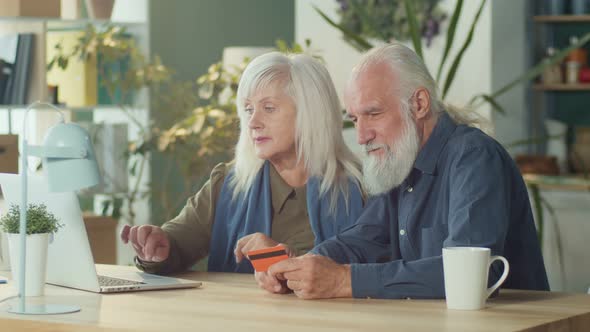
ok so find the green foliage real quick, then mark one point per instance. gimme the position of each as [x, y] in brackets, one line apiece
[39, 220]
[390, 20]
[450, 37]
[113, 45]
[413, 26]
[455, 65]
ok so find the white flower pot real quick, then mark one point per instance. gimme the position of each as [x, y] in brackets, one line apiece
[36, 262]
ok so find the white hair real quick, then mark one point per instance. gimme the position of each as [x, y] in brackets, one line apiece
[318, 127]
[413, 74]
[383, 174]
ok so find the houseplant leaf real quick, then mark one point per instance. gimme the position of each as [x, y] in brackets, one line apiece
[453, 70]
[540, 67]
[450, 37]
[415, 31]
[358, 42]
[490, 100]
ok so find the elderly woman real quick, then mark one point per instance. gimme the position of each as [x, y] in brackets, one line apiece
[293, 180]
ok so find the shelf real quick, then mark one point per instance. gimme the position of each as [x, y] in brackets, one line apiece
[562, 18]
[562, 87]
[89, 108]
[57, 20]
[561, 182]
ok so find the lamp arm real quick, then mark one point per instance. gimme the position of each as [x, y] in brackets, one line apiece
[57, 152]
[23, 206]
[39, 103]
[23, 225]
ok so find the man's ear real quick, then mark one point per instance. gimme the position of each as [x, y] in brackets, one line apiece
[421, 103]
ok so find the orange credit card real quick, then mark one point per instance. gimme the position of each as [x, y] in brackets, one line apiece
[262, 259]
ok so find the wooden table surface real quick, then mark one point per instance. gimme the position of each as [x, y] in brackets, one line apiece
[233, 302]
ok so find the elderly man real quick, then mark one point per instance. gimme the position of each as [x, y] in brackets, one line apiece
[436, 182]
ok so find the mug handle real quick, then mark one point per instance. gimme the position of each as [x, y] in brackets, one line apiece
[504, 275]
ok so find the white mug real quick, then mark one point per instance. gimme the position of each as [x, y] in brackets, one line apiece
[466, 276]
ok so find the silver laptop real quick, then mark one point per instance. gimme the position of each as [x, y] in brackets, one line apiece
[70, 262]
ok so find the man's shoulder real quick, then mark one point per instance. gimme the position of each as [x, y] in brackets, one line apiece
[465, 139]
[467, 142]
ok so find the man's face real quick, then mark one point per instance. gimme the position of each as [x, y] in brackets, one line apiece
[384, 128]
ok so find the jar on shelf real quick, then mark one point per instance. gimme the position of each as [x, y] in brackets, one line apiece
[575, 60]
[552, 74]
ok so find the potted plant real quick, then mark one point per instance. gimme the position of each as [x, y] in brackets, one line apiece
[41, 224]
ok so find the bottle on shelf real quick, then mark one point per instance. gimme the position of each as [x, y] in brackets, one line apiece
[552, 74]
[577, 59]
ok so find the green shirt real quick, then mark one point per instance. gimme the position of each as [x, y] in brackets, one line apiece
[190, 231]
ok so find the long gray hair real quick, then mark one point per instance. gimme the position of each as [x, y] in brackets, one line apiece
[318, 127]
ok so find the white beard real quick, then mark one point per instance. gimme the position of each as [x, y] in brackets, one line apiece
[383, 174]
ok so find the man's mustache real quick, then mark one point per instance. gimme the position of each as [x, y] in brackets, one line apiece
[374, 146]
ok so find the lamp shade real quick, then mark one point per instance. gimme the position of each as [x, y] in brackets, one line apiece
[65, 173]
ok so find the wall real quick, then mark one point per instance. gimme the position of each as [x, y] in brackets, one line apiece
[509, 37]
[190, 35]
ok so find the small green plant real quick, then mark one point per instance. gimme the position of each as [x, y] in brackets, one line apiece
[39, 220]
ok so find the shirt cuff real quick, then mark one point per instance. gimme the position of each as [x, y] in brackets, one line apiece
[366, 280]
[149, 267]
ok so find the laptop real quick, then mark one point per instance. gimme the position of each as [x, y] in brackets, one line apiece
[70, 262]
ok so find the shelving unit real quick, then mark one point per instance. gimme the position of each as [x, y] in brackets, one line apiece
[564, 199]
[40, 27]
[564, 102]
[107, 114]
[562, 87]
[561, 183]
[561, 18]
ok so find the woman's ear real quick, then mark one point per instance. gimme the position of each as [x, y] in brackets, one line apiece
[421, 103]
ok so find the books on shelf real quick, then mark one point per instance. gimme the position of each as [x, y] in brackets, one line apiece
[8, 44]
[16, 57]
[24, 57]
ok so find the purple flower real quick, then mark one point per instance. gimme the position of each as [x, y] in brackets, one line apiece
[343, 5]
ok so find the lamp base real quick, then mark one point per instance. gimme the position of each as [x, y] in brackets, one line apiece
[44, 309]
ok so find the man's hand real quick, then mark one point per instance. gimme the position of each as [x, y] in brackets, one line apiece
[271, 283]
[253, 242]
[314, 277]
[150, 242]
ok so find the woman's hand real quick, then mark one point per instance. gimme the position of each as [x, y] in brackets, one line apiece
[254, 242]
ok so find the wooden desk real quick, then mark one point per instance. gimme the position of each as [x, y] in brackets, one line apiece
[232, 302]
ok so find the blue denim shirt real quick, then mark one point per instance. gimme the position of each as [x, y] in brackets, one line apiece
[464, 190]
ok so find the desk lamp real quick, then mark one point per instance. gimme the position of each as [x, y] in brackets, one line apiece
[70, 164]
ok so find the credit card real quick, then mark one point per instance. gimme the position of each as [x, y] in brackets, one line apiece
[262, 259]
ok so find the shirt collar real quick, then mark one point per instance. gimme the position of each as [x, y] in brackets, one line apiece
[280, 190]
[428, 155]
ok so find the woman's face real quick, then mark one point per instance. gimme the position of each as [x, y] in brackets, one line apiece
[271, 120]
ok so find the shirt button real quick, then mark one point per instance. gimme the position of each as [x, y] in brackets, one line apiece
[402, 232]
[410, 189]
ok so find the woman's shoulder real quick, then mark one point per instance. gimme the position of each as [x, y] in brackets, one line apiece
[220, 171]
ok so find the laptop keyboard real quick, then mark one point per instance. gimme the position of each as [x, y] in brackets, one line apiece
[105, 281]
